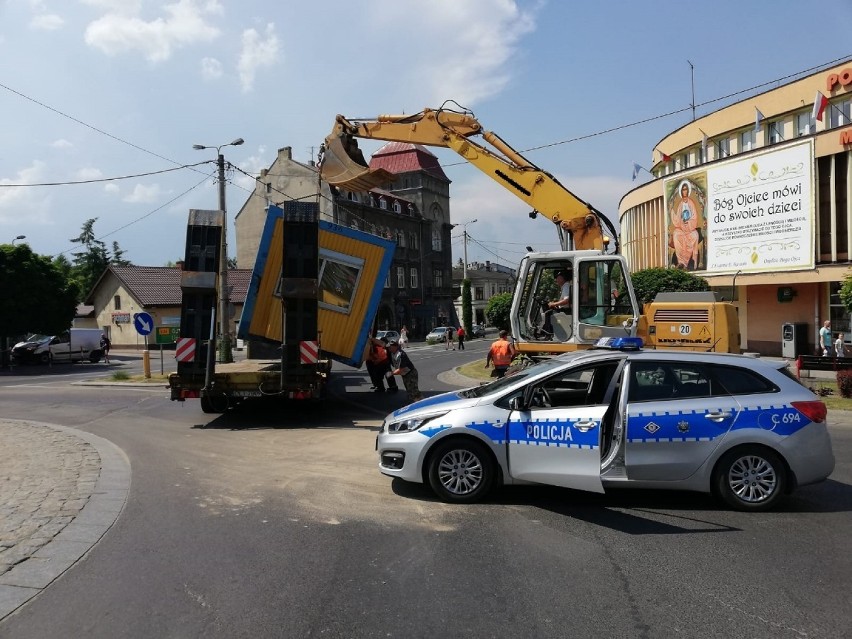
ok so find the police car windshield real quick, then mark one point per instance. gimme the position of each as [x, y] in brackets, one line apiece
[512, 379]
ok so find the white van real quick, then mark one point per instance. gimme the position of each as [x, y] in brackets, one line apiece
[77, 345]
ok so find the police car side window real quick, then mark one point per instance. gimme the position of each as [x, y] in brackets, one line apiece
[660, 381]
[742, 381]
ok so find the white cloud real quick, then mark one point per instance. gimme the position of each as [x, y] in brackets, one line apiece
[47, 22]
[24, 203]
[211, 69]
[122, 29]
[463, 50]
[144, 194]
[61, 144]
[88, 173]
[257, 53]
[111, 188]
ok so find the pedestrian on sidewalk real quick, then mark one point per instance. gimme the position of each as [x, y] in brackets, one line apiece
[401, 365]
[105, 346]
[839, 346]
[403, 337]
[448, 335]
[825, 338]
[461, 335]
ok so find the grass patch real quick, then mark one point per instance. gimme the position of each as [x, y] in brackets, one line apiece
[123, 376]
[476, 370]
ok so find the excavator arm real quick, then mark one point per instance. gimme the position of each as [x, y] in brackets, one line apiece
[343, 165]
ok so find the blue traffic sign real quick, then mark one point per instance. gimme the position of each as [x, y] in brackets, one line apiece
[144, 323]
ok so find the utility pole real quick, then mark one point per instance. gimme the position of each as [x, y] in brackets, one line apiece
[692, 74]
[464, 266]
[225, 352]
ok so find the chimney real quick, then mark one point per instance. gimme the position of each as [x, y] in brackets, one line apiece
[179, 265]
[487, 265]
[286, 152]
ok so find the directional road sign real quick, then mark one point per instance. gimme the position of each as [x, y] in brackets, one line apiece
[144, 323]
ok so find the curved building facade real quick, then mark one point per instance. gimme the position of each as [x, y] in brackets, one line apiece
[755, 197]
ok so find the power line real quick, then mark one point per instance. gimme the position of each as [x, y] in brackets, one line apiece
[110, 179]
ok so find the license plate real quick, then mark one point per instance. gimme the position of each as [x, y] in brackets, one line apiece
[246, 393]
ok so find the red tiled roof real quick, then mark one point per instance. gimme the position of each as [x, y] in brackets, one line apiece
[160, 285]
[403, 157]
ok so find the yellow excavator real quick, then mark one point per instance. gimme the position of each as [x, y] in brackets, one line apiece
[603, 303]
[343, 165]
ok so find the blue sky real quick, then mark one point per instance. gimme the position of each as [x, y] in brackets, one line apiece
[96, 89]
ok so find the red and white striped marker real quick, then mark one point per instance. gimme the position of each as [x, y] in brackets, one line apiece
[308, 352]
[185, 349]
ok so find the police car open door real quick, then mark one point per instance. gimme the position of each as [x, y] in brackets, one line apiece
[554, 435]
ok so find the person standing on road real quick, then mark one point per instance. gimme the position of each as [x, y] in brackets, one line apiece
[839, 346]
[501, 353]
[448, 335]
[401, 365]
[105, 346]
[460, 334]
[403, 337]
[825, 338]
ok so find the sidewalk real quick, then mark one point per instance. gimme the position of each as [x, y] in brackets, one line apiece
[61, 489]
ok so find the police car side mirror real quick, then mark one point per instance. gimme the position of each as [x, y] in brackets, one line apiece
[517, 403]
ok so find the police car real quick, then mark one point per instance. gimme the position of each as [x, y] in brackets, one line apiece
[739, 427]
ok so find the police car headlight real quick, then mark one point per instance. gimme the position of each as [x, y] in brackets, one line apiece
[412, 423]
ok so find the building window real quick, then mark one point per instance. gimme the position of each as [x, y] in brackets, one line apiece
[683, 160]
[413, 276]
[383, 203]
[413, 240]
[838, 314]
[269, 187]
[400, 238]
[397, 207]
[840, 113]
[803, 123]
[436, 239]
[387, 279]
[776, 131]
[117, 302]
[723, 147]
[438, 278]
[746, 140]
[478, 293]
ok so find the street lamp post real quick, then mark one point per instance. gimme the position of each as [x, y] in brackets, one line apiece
[225, 353]
[20, 237]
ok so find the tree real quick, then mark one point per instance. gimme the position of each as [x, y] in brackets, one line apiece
[37, 298]
[650, 281]
[89, 264]
[846, 292]
[497, 311]
[467, 312]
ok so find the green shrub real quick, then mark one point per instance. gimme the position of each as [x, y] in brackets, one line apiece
[120, 376]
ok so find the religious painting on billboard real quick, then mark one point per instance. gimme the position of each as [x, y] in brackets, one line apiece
[686, 199]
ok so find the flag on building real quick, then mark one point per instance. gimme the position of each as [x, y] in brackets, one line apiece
[820, 102]
[636, 168]
[703, 145]
[665, 157]
[758, 116]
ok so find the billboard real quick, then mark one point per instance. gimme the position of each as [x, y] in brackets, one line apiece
[749, 215]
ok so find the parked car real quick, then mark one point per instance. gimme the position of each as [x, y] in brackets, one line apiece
[742, 428]
[439, 334]
[35, 348]
[74, 345]
[389, 336]
[478, 330]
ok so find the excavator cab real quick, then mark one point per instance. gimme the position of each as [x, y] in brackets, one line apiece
[343, 165]
[602, 301]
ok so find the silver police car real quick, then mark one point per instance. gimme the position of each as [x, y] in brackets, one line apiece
[741, 428]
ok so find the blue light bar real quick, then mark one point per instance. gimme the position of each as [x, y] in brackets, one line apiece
[620, 343]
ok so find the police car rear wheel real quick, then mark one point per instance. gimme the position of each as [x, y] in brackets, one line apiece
[751, 478]
[461, 471]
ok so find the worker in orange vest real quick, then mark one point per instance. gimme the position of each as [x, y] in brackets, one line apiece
[501, 354]
[379, 366]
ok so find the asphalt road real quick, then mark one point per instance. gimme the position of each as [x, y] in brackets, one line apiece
[276, 523]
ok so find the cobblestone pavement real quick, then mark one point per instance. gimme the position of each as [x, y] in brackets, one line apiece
[60, 491]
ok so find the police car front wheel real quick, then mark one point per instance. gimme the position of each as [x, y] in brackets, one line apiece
[461, 471]
[750, 478]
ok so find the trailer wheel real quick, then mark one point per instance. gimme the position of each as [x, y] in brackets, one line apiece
[44, 358]
[217, 403]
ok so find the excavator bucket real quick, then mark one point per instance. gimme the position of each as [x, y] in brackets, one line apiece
[340, 169]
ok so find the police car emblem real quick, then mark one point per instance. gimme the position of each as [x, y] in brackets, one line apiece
[652, 428]
[683, 426]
